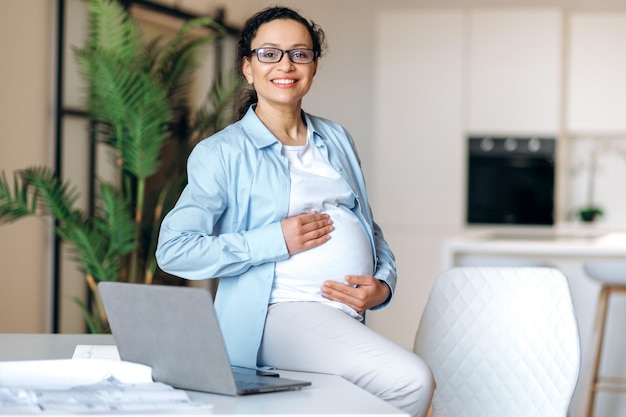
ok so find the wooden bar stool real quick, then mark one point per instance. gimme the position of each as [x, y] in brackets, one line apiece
[612, 277]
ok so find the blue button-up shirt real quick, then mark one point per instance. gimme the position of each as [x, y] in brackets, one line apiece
[226, 223]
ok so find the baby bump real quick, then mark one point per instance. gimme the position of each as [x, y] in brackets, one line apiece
[347, 252]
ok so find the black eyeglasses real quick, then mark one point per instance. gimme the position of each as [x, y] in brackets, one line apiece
[273, 55]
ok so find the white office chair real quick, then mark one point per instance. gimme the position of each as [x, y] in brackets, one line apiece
[501, 342]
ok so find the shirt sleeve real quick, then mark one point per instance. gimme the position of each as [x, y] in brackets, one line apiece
[189, 243]
[386, 265]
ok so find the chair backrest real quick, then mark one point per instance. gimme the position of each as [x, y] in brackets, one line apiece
[501, 341]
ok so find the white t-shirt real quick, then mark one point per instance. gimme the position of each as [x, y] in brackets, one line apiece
[315, 185]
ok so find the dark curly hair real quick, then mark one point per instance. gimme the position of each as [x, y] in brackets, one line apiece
[247, 94]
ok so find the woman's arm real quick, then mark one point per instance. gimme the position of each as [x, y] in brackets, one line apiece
[199, 238]
[204, 236]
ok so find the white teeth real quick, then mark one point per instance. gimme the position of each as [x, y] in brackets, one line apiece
[282, 81]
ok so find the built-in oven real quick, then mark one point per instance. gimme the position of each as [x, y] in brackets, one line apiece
[511, 180]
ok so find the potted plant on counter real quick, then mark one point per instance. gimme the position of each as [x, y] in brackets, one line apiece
[590, 212]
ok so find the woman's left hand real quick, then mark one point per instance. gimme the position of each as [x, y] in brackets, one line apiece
[361, 293]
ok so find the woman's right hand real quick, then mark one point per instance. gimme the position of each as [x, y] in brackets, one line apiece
[306, 231]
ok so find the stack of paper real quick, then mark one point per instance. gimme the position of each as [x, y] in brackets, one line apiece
[67, 373]
[87, 386]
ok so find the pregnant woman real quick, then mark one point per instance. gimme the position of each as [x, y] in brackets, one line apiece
[276, 207]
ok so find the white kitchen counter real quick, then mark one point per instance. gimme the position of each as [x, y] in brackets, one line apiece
[536, 244]
[567, 250]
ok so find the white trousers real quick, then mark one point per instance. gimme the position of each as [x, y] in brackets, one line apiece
[313, 337]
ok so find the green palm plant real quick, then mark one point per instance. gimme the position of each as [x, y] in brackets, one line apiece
[138, 101]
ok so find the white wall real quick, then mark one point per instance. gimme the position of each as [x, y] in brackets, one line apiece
[26, 112]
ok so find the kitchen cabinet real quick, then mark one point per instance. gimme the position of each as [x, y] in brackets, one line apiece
[418, 97]
[514, 71]
[596, 99]
[417, 182]
[439, 74]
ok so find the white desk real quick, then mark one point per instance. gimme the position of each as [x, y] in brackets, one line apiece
[329, 395]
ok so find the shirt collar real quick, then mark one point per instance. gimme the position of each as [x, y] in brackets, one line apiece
[261, 136]
[311, 126]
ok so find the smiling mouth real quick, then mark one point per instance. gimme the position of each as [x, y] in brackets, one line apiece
[284, 81]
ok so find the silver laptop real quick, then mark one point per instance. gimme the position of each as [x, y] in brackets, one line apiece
[175, 331]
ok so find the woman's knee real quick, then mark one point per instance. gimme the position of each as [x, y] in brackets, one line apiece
[413, 388]
[424, 380]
